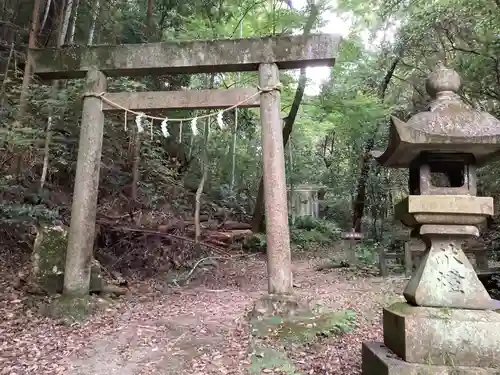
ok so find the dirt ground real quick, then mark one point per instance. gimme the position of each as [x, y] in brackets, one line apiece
[197, 329]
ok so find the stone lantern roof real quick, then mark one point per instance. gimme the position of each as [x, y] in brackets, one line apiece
[448, 126]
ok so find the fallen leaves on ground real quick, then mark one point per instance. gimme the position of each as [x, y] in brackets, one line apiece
[197, 329]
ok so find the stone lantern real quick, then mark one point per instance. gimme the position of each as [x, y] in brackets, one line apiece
[446, 325]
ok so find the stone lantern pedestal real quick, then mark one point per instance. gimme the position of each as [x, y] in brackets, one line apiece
[446, 326]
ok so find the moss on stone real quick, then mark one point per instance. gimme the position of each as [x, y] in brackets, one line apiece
[400, 307]
[268, 358]
[70, 309]
[49, 261]
[271, 335]
[445, 311]
[449, 359]
[96, 280]
[304, 327]
[49, 257]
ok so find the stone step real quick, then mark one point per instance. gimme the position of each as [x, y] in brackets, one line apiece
[377, 359]
[443, 336]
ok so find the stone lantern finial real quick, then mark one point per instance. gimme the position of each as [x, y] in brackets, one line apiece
[442, 79]
[448, 125]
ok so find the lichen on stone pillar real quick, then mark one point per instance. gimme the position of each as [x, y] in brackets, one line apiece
[48, 261]
[84, 207]
[445, 277]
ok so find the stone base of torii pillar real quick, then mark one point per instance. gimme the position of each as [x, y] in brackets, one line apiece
[446, 327]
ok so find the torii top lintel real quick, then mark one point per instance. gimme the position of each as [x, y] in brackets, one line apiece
[288, 52]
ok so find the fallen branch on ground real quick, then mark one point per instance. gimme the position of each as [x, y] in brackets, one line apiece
[211, 258]
[161, 234]
[330, 266]
[114, 289]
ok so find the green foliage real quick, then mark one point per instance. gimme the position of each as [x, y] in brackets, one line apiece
[271, 335]
[338, 210]
[25, 214]
[330, 132]
[256, 242]
[265, 358]
[307, 223]
[304, 327]
[302, 239]
[72, 311]
[367, 251]
[308, 231]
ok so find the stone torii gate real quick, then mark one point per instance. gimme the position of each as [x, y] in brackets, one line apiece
[95, 63]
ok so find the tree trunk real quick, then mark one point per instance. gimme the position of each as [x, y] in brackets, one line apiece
[71, 38]
[358, 205]
[235, 131]
[204, 163]
[199, 191]
[233, 150]
[53, 93]
[46, 14]
[28, 68]
[6, 76]
[95, 15]
[65, 22]
[136, 161]
[149, 21]
[259, 214]
[290, 179]
[191, 146]
[138, 136]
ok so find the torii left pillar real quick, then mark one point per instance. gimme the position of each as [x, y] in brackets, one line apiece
[83, 211]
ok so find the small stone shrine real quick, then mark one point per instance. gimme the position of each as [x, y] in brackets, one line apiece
[446, 326]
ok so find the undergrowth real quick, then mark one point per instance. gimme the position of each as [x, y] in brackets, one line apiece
[307, 231]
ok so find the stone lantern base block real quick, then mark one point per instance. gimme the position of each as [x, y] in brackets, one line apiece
[443, 336]
[377, 359]
[445, 278]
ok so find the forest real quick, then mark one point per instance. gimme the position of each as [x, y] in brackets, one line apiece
[180, 239]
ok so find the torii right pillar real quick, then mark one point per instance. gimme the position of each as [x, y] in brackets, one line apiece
[279, 260]
[447, 325]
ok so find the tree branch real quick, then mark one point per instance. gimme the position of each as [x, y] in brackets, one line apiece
[411, 84]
